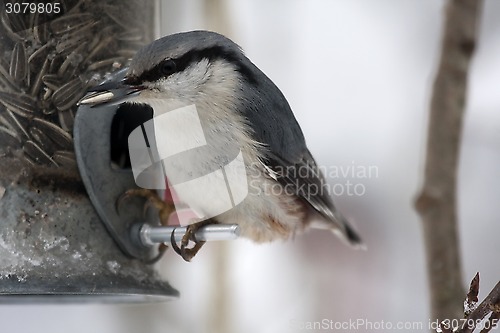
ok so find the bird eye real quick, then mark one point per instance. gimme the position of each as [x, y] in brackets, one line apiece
[168, 67]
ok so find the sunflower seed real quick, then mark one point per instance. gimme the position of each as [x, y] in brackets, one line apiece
[35, 87]
[5, 84]
[4, 122]
[21, 104]
[55, 63]
[17, 23]
[83, 28]
[33, 20]
[42, 140]
[66, 96]
[117, 16]
[66, 23]
[65, 153]
[29, 161]
[65, 46]
[97, 37]
[18, 63]
[54, 132]
[74, 58]
[135, 45]
[58, 67]
[65, 158]
[6, 79]
[52, 81]
[36, 153]
[127, 53]
[41, 51]
[97, 97]
[9, 29]
[17, 126]
[103, 45]
[47, 94]
[40, 30]
[104, 63]
[9, 138]
[46, 105]
[64, 66]
[133, 35]
[66, 119]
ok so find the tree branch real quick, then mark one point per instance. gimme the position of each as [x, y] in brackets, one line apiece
[491, 304]
[437, 201]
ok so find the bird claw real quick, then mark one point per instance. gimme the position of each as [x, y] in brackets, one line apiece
[153, 199]
[187, 253]
[161, 251]
[164, 210]
[135, 192]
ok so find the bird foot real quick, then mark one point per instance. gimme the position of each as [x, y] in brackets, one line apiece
[152, 199]
[165, 209]
[188, 253]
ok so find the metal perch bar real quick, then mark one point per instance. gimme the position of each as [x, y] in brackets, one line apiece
[216, 232]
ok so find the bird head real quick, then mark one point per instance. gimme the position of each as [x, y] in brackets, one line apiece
[184, 68]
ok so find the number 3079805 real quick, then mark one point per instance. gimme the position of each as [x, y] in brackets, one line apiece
[31, 7]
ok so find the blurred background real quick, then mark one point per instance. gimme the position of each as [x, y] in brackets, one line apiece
[358, 76]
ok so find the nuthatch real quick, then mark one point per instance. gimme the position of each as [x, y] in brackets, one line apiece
[238, 105]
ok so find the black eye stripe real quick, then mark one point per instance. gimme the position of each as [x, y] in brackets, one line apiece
[181, 63]
[168, 67]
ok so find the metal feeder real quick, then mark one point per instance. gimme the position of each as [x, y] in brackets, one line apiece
[60, 241]
[55, 248]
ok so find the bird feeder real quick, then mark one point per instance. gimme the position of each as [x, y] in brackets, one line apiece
[54, 243]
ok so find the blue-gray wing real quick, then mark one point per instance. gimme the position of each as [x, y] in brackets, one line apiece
[305, 179]
[286, 155]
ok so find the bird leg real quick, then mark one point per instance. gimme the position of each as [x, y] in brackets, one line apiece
[164, 211]
[185, 252]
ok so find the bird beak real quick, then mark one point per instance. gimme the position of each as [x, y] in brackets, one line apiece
[113, 92]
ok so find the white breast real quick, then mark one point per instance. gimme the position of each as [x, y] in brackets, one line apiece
[263, 214]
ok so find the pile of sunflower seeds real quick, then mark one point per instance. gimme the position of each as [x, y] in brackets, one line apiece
[46, 68]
